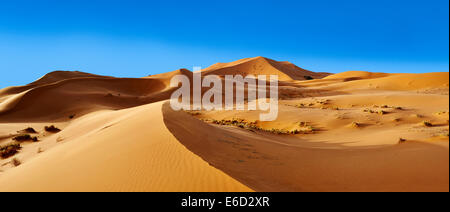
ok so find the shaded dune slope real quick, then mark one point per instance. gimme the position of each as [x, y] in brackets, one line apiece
[80, 96]
[269, 165]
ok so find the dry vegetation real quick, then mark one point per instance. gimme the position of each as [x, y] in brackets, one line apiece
[426, 124]
[25, 137]
[401, 140]
[16, 162]
[380, 112]
[9, 150]
[303, 127]
[52, 129]
[30, 130]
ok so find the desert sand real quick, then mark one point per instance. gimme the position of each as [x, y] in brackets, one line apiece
[352, 131]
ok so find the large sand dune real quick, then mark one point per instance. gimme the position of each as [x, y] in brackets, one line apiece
[359, 131]
[262, 66]
[127, 150]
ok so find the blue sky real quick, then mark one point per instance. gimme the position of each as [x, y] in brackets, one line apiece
[136, 38]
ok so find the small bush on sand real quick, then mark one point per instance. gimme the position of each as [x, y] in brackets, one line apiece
[9, 150]
[382, 112]
[16, 162]
[308, 78]
[29, 130]
[401, 140]
[25, 137]
[52, 129]
[355, 124]
[194, 113]
[369, 111]
[252, 126]
[426, 124]
[417, 116]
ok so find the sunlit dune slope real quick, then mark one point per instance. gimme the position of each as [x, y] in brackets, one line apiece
[262, 66]
[383, 81]
[127, 150]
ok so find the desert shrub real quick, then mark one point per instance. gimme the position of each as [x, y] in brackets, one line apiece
[29, 130]
[427, 124]
[355, 124]
[382, 112]
[194, 113]
[308, 78]
[9, 150]
[25, 137]
[418, 116]
[401, 140]
[303, 124]
[52, 129]
[16, 162]
[71, 116]
[442, 113]
[369, 111]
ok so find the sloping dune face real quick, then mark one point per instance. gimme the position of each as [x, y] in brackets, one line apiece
[128, 150]
[273, 164]
[382, 81]
[49, 78]
[353, 131]
[58, 100]
[262, 66]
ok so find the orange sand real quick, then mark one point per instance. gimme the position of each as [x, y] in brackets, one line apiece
[119, 134]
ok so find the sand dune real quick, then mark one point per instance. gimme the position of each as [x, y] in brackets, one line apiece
[357, 75]
[353, 131]
[270, 163]
[406, 82]
[262, 66]
[79, 96]
[128, 150]
[49, 78]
